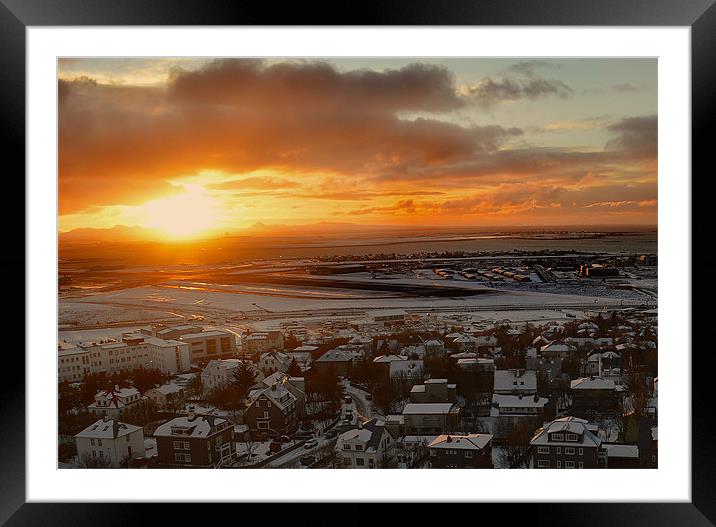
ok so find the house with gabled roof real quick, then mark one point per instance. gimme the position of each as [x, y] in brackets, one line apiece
[368, 445]
[567, 442]
[195, 441]
[110, 441]
[461, 451]
[271, 412]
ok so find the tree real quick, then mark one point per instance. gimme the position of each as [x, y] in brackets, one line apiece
[243, 379]
[515, 454]
[294, 370]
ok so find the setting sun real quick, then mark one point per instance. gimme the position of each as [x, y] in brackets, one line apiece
[184, 215]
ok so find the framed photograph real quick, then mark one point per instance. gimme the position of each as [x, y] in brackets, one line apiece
[370, 254]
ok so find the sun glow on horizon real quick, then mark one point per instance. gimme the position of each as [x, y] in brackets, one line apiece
[184, 215]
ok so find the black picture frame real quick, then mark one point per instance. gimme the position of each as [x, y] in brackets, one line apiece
[700, 15]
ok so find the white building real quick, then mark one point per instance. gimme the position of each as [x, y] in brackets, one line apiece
[167, 396]
[114, 403]
[111, 440]
[273, 361]
[73, 362]
[219, 374]
[367, 446]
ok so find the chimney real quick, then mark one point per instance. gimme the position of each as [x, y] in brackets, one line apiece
[536, 398]
[116, 387]
[360, 424]
[449, 439]
[273, 387]
[105, 418]
[191, 413]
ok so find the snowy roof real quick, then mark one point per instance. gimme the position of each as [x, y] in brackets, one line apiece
[570, 424]
[166, 389]
[335, 355]
[411, 368]
[592, 383]
[389, 358]
[508, 380]
[109, 429]
[461, 442]
[557, 347]
[516, 401]
[276, 393]
[622, 451]
[427, 408]
[370, 433]
[197, 426]
[205, 334]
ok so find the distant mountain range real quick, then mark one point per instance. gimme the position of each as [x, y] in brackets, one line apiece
[124, 233]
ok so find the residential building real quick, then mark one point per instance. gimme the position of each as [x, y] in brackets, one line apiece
[73, 362]
[616, 455]
[567, 442]
[273, 361]
[195, 441]
[336, 361]
[261, 342]
[594, 396]
[370, 445]
[508, 411]
[430, 418]
[271, 412]
[111, 441]
[461, 451]
[218, 374]
[516, 381]
[167, 397]
[434, 391]
[116, 402]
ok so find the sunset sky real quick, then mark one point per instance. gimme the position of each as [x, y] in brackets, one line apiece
[196, 147]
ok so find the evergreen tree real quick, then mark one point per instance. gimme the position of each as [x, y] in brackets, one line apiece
[294, 370]
[243, 379]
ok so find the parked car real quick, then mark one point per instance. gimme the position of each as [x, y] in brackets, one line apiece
[348, 399]
[310, 443]
[331, 434]
[283, 439]
[308, 460]
[368, 397]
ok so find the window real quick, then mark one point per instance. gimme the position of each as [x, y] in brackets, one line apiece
[559, 449]
[101, 454]
[263, 424]
[572, 437]
[181, 445]
[182, 457]
[346, 446]
[569, 464]
[360, 461]
[359, 447]
[581, 464]
[99, 442]
[468, 454]
[266, 415]
[569, 450]
[581, 451]
[543, 463]
[559, 464]
[92, 442]
[557, 437]
[543, 450]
